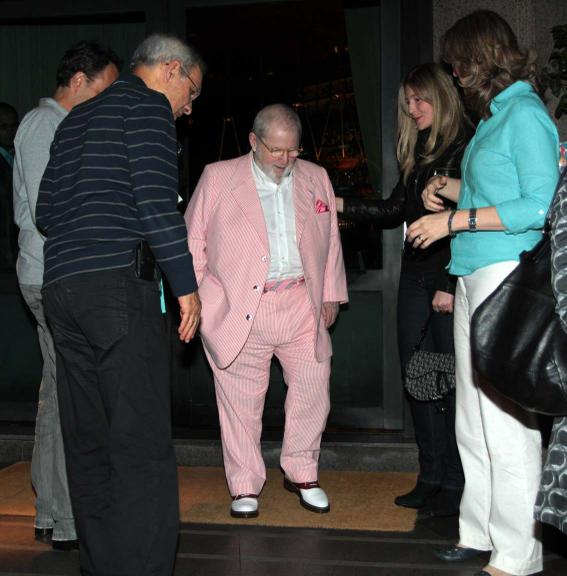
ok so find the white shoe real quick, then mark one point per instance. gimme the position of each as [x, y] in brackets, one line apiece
[244, 506]
[311, 496]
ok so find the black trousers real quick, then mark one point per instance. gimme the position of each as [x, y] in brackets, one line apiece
[114, 398]
[434, 422]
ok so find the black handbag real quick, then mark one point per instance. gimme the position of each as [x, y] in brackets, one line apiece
[429, 375]
[517, 342]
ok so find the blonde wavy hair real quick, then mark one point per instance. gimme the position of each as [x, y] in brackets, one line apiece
[484, 52]
[432, 84]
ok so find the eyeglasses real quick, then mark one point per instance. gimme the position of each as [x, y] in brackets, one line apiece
[279, 152]
[196, 90]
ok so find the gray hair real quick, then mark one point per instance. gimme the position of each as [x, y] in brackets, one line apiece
[160, 48]
[280, 114]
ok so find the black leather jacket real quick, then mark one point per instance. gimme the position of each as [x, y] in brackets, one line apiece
[405, 205]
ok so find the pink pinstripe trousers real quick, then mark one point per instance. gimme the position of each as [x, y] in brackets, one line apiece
[284, 326]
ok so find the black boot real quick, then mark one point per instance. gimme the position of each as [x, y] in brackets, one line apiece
[418, 497]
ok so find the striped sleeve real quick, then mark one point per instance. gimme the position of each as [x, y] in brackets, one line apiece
[152, 144]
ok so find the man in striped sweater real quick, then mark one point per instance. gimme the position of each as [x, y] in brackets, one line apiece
[111, 186]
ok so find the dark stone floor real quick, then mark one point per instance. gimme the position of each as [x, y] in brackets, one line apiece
[209, 550]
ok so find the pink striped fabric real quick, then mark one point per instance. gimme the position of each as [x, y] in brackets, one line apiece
[285, 284]
[242, 326]
[228, 240]
[283, 327]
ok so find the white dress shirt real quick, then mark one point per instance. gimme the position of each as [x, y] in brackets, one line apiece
[279, 214]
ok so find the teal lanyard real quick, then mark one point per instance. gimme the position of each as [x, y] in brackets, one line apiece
[161, 297]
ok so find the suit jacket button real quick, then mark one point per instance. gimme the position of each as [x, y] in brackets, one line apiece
[264, 258]
[248, 316]
[256, 287]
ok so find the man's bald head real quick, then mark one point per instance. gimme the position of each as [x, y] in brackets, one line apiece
[278, 115]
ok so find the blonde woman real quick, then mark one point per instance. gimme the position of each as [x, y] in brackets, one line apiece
[432, 135]
[509, 175]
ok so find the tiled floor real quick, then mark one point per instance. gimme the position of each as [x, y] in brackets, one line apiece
[208, 550]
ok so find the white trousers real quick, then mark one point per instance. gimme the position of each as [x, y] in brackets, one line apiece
[500, 448]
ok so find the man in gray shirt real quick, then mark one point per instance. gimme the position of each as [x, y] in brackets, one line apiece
[85, 70]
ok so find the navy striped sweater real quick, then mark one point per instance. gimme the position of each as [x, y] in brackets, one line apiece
[111, 181]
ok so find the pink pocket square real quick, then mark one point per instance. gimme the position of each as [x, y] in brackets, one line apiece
[321, 207]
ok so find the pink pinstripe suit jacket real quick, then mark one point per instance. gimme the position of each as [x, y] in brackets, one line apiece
[227, 237]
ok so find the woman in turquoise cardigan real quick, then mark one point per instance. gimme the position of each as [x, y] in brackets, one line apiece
[509, 172]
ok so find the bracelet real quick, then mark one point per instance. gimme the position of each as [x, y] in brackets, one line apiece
[472, 220]
[450, 223]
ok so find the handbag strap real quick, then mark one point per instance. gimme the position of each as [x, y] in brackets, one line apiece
[423, 331]
[547, 225]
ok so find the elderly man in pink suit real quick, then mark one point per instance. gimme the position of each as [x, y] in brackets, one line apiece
[267, 254]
